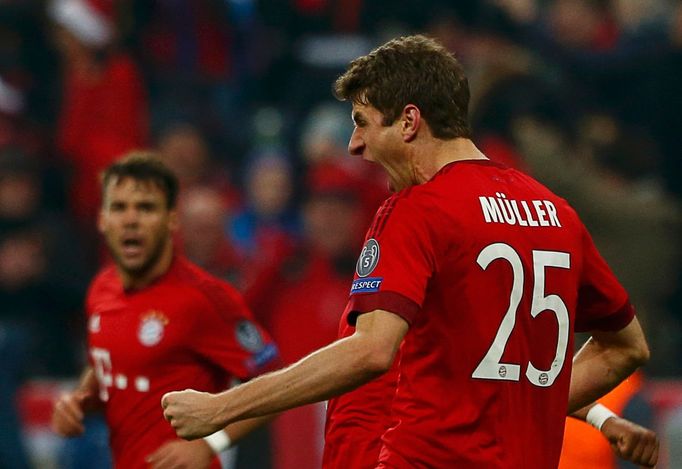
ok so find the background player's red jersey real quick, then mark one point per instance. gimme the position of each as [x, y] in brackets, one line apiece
[493, 272]
[186, 330]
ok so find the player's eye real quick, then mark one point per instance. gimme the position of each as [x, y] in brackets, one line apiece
[147, 207]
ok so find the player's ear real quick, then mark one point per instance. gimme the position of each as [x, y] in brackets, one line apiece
[410, 120]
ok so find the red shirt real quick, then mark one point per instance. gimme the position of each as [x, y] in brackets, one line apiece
[493, 272]
[186, 330]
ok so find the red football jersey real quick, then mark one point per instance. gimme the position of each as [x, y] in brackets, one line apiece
[493, 273]
[186, 330]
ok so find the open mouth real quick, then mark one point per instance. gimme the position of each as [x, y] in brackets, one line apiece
[132, 246]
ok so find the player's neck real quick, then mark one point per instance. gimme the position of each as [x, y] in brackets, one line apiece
[137, 281]
[436, 154]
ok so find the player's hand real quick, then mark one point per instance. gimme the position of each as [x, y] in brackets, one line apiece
[181, 455]
[68, 413]
[631, 442]
[191, 413]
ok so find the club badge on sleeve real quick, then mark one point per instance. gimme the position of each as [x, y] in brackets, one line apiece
[249, 336]
[250, 339]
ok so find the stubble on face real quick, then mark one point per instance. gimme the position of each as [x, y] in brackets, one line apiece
[135, 223]
[381, 144]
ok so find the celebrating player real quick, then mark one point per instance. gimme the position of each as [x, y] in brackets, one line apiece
[477, 273]
[156, 323]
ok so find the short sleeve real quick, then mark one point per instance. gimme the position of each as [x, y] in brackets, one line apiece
[227, 335]
[603, 303]
[396, 262]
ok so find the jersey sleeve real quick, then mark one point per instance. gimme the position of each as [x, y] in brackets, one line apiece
[603, 303]
[395, 264]
[227, 335]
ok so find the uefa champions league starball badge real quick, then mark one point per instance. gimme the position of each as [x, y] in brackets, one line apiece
[369, 258]
[151, 328]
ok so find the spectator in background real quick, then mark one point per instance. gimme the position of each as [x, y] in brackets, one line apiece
[264, 229]
[37, 326]
[324, 141]
[301, 322]
[324, 134]
[186, 152]
[203, 217]
[198, 55]
[13, 352]
[104, 105]
[39, 287]
[667, 104]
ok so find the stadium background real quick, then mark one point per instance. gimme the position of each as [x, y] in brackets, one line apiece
[236, 96]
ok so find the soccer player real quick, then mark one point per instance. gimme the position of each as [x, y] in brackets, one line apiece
[475, 272]
[156, 322]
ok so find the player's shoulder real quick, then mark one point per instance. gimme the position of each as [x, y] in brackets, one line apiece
[205, 287]
[104, 280]
[399, 203]
[104, 289]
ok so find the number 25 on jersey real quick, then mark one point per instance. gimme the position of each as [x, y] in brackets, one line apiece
[491, 367]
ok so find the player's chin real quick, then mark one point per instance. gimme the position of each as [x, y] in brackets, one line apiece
[135, 265]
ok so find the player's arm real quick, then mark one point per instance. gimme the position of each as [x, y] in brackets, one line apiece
[337, 368]
[70, 408]
[605, 360]
[200, 453]
[629, 441]
[234, 433]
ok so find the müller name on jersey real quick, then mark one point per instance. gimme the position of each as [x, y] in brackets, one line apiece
[499, 209]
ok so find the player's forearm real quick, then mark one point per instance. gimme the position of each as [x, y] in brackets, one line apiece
[89, 385]
[581, 414]
[603, 362]
[337, 368]
[238, 430]
[88, 381]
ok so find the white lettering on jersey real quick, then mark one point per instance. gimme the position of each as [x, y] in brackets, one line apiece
[499, 209]
[121, 381]
[142, 384]
[107, 378]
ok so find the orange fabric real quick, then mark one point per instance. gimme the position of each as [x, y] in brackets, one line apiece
[584, 446]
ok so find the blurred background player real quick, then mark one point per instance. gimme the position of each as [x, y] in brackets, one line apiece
[156, 322]
[425, 275]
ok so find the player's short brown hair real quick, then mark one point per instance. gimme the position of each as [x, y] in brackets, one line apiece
[411, 70]
[143, 166]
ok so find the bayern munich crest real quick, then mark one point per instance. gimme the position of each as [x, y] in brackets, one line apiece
[151, 328]
[369, 258]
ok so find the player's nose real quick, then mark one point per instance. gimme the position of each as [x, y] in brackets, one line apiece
[130, 217]
[356, 145]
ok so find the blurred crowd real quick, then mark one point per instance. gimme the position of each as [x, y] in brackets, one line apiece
[236, 97]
